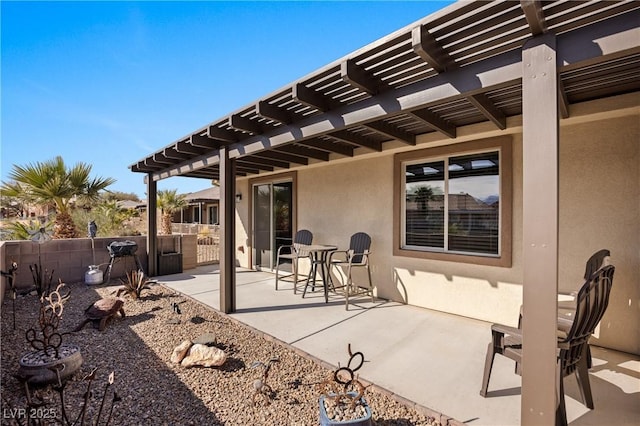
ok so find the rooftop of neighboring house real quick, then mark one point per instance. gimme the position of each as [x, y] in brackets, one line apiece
[209, 194]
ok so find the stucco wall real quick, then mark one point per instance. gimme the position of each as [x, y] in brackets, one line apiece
[243, 243]
[358, 196]
[599, 208]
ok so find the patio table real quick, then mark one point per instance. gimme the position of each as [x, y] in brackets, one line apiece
[318, 254]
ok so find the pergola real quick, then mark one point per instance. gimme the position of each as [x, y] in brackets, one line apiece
[471, 62]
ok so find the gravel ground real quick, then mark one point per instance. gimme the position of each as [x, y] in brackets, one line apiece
[153, 390]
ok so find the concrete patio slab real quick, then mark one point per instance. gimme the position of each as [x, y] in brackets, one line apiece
[431, 358]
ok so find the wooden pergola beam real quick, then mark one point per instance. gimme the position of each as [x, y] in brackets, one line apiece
[188, 148]
[161, 159]
[283, 156]
[427, 47]
[310, 97]
[489, 110]
[272, 112]
[304, 151]
[357, 76]
[140, 166]
[435, 122]
[250, 168]
[327, 146]
[563, 102]
[223, 135]
[241, 123]
[204, 142]
[173, 153]
[357, 140]
[254, 159]
[534, 15]
[392, 132]
[502, 70]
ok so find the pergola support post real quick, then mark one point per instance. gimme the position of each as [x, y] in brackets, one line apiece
[152, 226]
[227, 232]
[540, 230]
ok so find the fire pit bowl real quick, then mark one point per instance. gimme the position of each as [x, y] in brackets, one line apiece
[39, 367]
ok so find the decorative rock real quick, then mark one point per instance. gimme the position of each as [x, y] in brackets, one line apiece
[207, 339]
[180, 351]
[204, 356]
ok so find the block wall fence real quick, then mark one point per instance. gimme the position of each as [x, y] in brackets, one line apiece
[69, 259]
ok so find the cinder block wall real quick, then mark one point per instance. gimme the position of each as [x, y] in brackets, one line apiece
[68, 259]
[186, 244]
[189, 251]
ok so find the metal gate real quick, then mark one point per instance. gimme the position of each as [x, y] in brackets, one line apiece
[208, 245]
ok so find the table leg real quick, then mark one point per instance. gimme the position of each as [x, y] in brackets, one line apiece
[324, 277]
[312, 274]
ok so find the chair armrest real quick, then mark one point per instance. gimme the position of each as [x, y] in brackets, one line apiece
[505, 329]
[343, 252]
[564, 326]
[364, 257]
[289, 247]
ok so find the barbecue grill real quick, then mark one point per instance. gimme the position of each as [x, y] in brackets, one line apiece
[122, 250]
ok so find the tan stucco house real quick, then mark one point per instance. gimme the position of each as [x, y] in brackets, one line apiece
[488, 149]
[202, 207]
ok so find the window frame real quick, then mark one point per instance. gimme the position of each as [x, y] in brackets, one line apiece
[501, 144]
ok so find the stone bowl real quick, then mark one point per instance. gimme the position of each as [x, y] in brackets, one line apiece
[39, 367]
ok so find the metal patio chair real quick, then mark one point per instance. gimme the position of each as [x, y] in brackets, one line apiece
[292, 253]
[573, 340]
[356, 256]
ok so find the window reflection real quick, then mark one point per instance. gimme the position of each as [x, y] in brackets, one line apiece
[461, 191]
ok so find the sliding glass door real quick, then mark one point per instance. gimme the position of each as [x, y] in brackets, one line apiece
[272, 221]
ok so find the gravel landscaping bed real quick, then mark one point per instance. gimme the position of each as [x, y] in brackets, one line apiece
[155, 391]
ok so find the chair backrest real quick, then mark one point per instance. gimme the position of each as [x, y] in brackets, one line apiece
[303, 236]
[359, 244]
[591, 303]
[595, 262]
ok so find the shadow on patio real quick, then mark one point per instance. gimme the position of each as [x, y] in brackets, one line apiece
[431, 358]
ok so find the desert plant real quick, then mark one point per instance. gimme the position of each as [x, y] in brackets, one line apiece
[169, 202]
[25, 230]
[53, 183]
[134, 284]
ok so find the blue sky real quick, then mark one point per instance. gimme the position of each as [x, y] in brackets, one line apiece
[108, 83]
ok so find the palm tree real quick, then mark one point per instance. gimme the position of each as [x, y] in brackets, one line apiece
[169, 202]
[52, 183]
[423, 194]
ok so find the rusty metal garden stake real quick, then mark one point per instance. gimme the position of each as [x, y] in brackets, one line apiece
[10, 275]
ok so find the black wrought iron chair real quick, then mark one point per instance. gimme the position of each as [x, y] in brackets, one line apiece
[356, 256]
[291, 254]
[573, 339]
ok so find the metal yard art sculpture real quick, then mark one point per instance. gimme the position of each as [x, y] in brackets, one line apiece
[52, 360]
[342, 394]
[260, 385]
[10, 276]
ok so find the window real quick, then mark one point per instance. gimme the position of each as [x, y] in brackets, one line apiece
[453, 203]
[213, 215]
